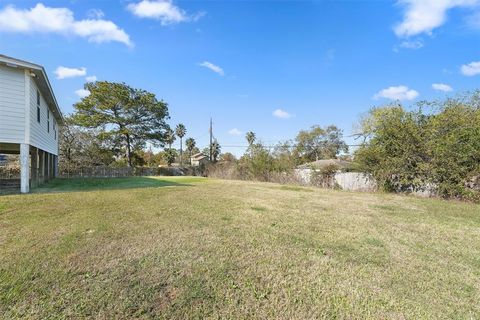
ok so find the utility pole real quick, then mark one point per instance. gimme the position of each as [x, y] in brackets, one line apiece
[211, 139]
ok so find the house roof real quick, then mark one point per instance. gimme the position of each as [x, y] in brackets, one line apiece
[320, 164]
[199, 156]
[41, 78]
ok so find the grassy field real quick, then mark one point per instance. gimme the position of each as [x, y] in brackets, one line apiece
[196, 248]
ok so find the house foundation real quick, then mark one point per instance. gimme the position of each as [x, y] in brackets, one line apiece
[36, 167]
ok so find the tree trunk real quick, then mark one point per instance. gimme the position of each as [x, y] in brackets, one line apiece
[129, 151]
[181, 153]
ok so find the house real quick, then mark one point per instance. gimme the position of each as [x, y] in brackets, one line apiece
[198, 159]
[29, 120]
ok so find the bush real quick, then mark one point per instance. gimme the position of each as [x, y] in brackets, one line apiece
[417, 151]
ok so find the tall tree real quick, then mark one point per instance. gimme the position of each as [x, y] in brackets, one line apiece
[251, 137]
[169, 156]
[131, 116]
[170, 137]
[190, 143]
[395, 152]
[81, 147]
[180, 131]
[216, 150]
[285, 159]
[320, 143]
[258, 164]
[228, 157]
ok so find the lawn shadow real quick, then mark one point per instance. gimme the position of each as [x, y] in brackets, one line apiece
[96, 184]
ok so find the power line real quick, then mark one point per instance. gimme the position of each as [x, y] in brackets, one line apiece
[273, 146]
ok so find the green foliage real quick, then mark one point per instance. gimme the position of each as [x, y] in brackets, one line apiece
[251, 137]
[216, 150]
[169, 137]
[206, 151]
[127, 115]
[319, 143]
[257, 163]
[396, 153]
[418, 150]
[180, 131]
[285, 159]
[454, 145]
[169, 156]
[191, 144]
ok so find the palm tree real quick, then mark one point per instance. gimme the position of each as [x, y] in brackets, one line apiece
[190, 143]
[251, 137]
[216, 149]
[180, 130]
[170, 137]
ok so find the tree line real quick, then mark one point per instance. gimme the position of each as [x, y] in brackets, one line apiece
[431, 145]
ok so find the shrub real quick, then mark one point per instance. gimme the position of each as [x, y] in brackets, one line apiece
[418, 151]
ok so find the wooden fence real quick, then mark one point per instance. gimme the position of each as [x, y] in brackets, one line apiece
[110, 172]
[9, 172]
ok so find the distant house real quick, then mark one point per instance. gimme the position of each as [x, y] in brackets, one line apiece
[29, 120]
[198, 159]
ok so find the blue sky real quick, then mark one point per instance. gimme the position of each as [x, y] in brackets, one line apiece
[273, 67]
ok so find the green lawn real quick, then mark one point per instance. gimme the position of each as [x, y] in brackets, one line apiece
[195, 248]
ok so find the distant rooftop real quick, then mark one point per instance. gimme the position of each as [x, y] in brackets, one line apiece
[198, 156]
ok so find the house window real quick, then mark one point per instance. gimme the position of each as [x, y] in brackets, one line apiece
[48, 120]
[38, 106]
[55, 129]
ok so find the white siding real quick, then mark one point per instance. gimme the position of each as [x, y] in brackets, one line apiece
[39, 135]
[12, 105]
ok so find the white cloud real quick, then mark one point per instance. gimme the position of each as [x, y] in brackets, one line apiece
[91, 78]
[82, 93]
[95, 14]
[163, 10]
[64, 72]
[42, 19]
[473, 21]
[282, 114]
[414, 45]
[397, 93]
[212, 67]
[423, 16]
[235, 132]
[471, 69]
[442, 87]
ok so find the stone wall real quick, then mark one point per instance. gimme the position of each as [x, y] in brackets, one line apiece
[352, 181]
